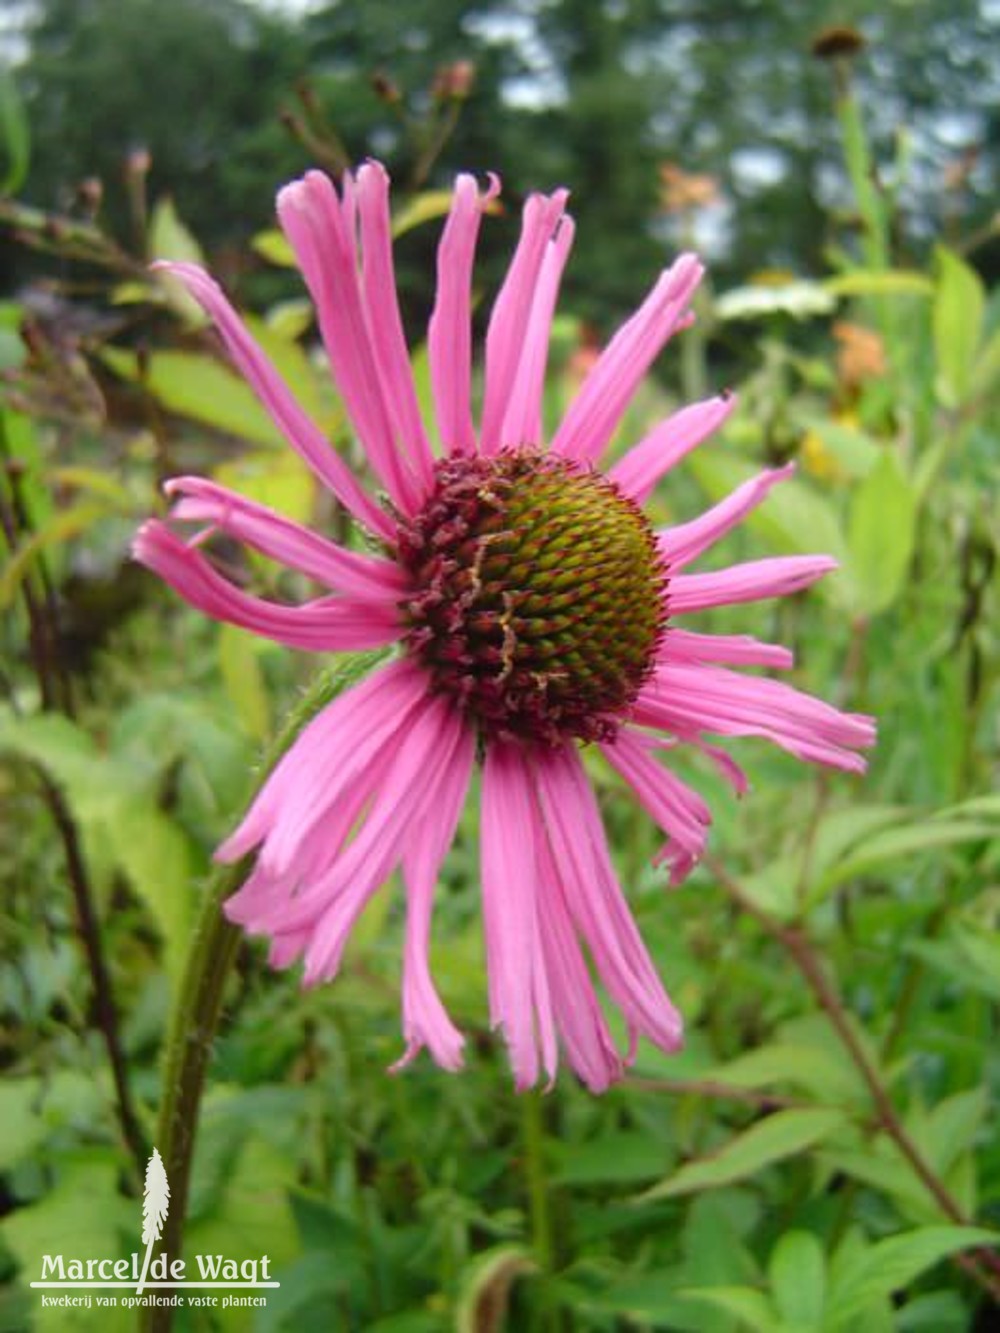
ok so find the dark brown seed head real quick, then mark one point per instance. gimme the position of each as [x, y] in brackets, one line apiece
[538, 595]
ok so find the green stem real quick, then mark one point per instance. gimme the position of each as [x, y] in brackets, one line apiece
[536, 1173]
[983, 1265]
[200, 997]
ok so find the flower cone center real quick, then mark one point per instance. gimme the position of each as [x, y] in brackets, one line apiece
[538, 595]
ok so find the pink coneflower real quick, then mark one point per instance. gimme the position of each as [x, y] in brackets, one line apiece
[534, 609]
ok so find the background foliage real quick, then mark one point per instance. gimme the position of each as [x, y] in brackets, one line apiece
[823, 1155]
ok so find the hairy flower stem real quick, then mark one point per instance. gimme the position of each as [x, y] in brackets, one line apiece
[200, 997]
[984, 1266]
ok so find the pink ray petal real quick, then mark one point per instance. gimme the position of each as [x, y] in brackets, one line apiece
[385, 325]
[522, 424]
[512, 310]
[638, 472]
[449, 335]
[303, 435]
[753, 581]
[518, 983]
[685, 542]
[685, 646]
[712, 699]
[314, 783]
[425, 1022]
[595, 900]
[321, 232]
[589, 1046]
[426, 750]
[273, 535]
[679, 811]
[331, 624]
[599, 406]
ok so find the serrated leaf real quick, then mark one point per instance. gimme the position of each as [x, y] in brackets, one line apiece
[891, 1265]
[772, 1139]
[881, 535]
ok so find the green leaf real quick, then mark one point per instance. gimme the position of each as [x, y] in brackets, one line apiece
[797, 1271]
[853, 450]
[822, 1073]
[313, 390]
[986, 371]
[794, 518]
[751, 1307]
[115, 815]
[201, 388]
[83, 1217]
[881, 536]
[244, 682]
[63, 526]
[950, 1129]
[23, 1127]
[272, 246]
[15, 135]
[884, 282]
[157, 860]
[894, 843]
[423, 207]
[277, 478]
[250, 1214]
[96, 483]
[629, 1156]
[891, 1265]
[170, 239]
[959, 301]
[772, 1139]
[32, 1110]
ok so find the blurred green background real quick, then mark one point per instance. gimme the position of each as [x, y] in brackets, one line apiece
[823, 1155]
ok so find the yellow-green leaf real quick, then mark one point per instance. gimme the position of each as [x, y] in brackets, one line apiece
[169, 238]
[62, 527]
[888, 282]
[880, 536]
[959, 300]
[241, 675]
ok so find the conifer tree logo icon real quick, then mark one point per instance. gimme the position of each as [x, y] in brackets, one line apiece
[155, 1203]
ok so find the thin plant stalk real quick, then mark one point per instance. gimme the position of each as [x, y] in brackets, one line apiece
[201, 994]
